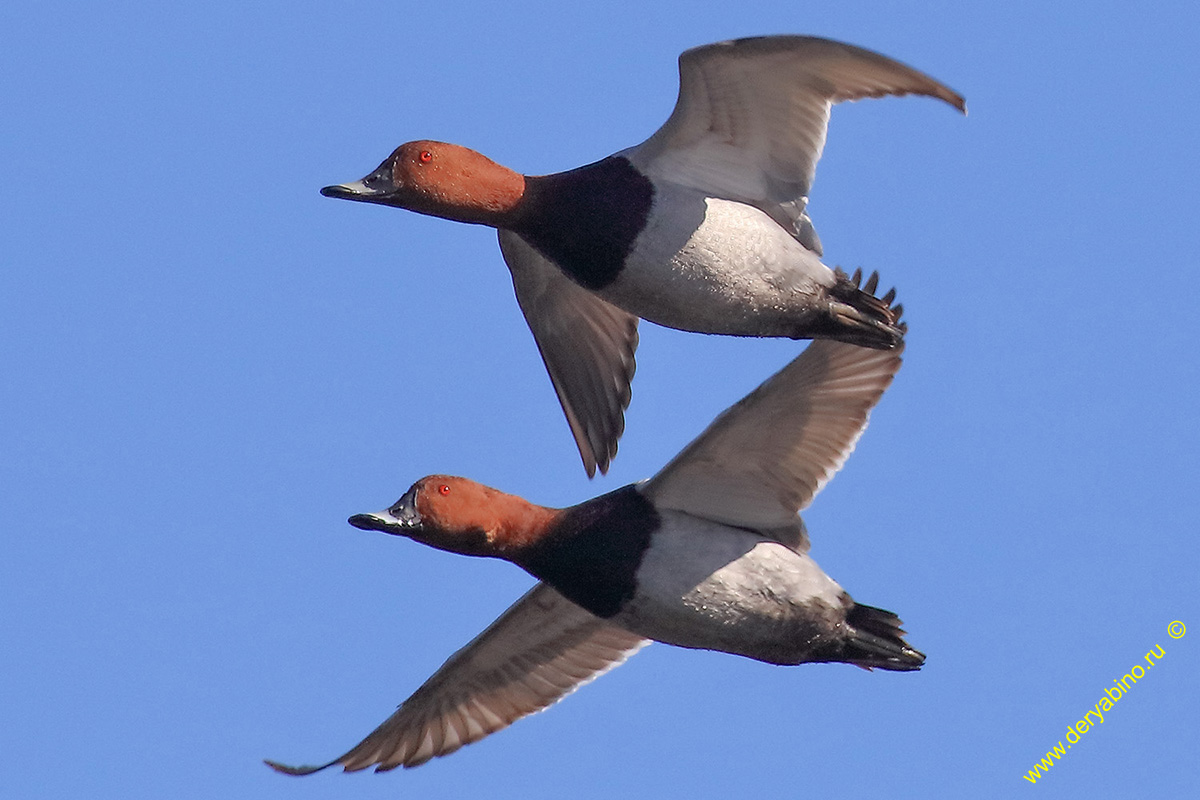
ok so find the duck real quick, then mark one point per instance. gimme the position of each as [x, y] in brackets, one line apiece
[703, 227]
[710, 553]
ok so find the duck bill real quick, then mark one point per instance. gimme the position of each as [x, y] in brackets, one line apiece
[348, 191]
[375, 188]
[401, 519]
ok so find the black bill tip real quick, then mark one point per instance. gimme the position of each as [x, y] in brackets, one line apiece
[368, 522]
[341, 191]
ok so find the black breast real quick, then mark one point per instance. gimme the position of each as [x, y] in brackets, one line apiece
[586, 220]
[592, 555]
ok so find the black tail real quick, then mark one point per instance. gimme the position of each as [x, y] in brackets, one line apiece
[860, 317]
[875, 639]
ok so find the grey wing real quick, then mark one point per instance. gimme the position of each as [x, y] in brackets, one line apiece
[541, 649]
[752, 114]
[586, 343]
[765, 458]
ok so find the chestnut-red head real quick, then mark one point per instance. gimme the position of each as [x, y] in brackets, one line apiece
[443, 180]
[461, 516]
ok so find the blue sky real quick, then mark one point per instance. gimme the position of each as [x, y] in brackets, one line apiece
[207, 367]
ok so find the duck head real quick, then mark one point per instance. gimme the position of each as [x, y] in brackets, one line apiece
[442, 180]
[461, 516]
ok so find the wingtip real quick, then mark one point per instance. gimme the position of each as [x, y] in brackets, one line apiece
[304, 769]
[951, 97]
[601, 465]
[940, 91]
[592, 458]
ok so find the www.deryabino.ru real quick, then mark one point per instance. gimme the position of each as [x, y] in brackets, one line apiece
[1095, 715]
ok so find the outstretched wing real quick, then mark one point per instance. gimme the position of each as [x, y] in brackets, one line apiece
[538, 651]
[586, 343]
[765, 458]
[750, 121]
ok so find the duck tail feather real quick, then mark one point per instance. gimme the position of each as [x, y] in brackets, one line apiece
[877, 640]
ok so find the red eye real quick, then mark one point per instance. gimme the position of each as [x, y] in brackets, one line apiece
[425, 157]
[443, 489]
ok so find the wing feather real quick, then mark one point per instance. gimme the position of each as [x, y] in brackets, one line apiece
[752, 114]
[540, 650]
[586, 344]
[765, 458]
